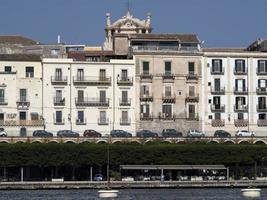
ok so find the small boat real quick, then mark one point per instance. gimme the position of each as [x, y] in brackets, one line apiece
[251, 192]
[108, 193]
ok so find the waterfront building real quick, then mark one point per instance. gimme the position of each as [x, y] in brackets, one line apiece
[234, 89]
[21, 94]
[80, 95]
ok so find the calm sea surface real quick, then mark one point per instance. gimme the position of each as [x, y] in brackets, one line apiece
[162, 194]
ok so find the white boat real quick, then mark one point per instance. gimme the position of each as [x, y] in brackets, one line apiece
[251, 192]
[108, 193]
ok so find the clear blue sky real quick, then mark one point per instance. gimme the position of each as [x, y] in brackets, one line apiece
[220, 23]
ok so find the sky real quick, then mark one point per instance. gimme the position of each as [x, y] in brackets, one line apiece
[219, 23]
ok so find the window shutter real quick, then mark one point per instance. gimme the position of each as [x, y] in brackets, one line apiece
[220, 65]
[244, 84]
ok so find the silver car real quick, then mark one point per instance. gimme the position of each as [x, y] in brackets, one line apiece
[195, 133]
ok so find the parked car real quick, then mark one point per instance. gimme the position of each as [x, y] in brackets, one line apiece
[67, 133]
[42, 133]
[2, 132]
[245, 133]
[171, 133]
[222, 134]
[120, 133]
[195, 133]
[98, 177]
[91, 133]
[146, 134]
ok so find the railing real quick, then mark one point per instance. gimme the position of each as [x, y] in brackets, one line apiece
[102, 121]
[59, 101]
[59, 79]
[238, 91]
[217, 108]
[22, 122]
[146, 117]
[168, 76]
[218, 122]
[241, 72]
[166, 116]
[192, 117]
[168, 98]
[81, 121]
[146, 97]
[241, 122]
[125, 122]
[146, 76]
[125, 102]
[241, 108]
[140, 48]
[3, 101]
[91, 80]
[91, 102]
[125, 81]
[262, 122]
[261, 72]
[191, 76]
[261, 108]
[188, 48]
[192, 98]
[217, 72]
[59, 121]
[261, 90]
[23, 102]
[215, 90]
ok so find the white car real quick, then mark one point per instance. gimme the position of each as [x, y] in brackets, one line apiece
[195, 133]
[2, 133]
[245, 133]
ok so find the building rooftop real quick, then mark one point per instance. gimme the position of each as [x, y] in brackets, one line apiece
[16, 39]
[224, 50]
[20, 57]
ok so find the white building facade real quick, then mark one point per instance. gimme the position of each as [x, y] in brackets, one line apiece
[89, 95]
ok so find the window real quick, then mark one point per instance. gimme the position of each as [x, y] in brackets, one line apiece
[124, 96]
[210, 116]
[103, 116]
[167, 110]
[240, 102]
[102, 74]
[191, 111]
[168, 68]
[217, 84]
[144, 108]
[58, 74]
[23, 95]
[59, 117]
[29, 72]
[80, 96]
[124, 115]
[262, 66]
[262, 116]
[261, 102]
[144, 90]
[34, 116]
[102, 94]
[217, 116]
[80, 74]
[240, 66]
[145, 67]
[168, 91]
[216, 65]
[240, 116]
[22, 115]
[124, 75]
[191, 68]
[2, 95]
[262, 83]
[59, 94]
[80, 116]
[2, 117]
[217, 102]
[8, 69]
[240, 85]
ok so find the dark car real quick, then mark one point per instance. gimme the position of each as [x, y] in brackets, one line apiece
[98, 177]
[42, 133]
[222, 134]
[146, 134]
[171, 133]
[67, 133]
[91, 133]
[120, 133]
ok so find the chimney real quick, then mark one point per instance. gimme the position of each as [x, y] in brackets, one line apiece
[58, 39]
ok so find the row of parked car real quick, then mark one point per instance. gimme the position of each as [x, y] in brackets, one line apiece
[166, 133]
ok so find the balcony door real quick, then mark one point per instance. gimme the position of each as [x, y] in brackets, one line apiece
[58, 74]
[80, 74]
[217, 102]
[144, 90]
[240, 102]
[2, 95]
[102, 95]
[23, 95]
[124, 75]
[216, 65]
[124, 116]
[262, 102]
[124, 96]
[240, 66]
[145, 110]
[240, 85]
[217, 84]
[168, 91]
[103, 116]
[167, 110]
[80, 116]
[191, 68]
[22, 116]
[191, 91]
[145, 67]
[192, 111]
[80, 96]
[102, 74]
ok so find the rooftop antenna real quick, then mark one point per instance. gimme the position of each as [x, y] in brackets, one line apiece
[128, 6]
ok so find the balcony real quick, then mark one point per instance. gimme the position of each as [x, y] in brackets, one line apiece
[262, 122]
[125, 102]
[154, 48]
[243, 91]
[22, 122]
[92, 102]
[191, 76]
[59, 101]
[240, 108]
[125, 122]
[259, 72]
[215, 90]
[241, 122]
[91, 80]
[192, 98]
[217, 108]
[218, 123]
[217, 72]
[192, 117]
[103, 121]
[241, 72]
[261, 91]
[261, 108]
[59, 80]
[146, 97]
[146, 117]
[168, 77]
[3, 101]
[23, 103]
[167, 116]
[125, 81]
[168, 98]
[81, 121]
[59, 121]
[146, 77]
